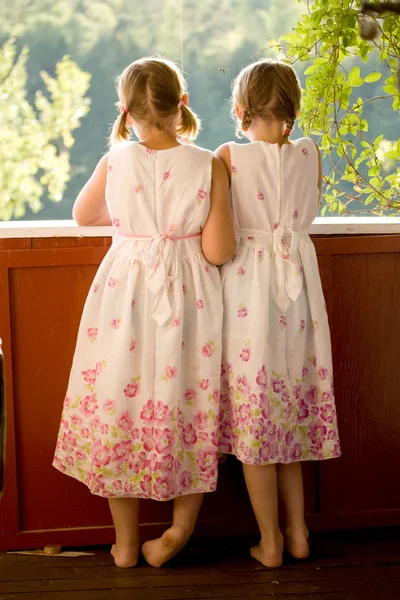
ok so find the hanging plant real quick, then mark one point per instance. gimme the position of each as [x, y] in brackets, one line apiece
[361, 171]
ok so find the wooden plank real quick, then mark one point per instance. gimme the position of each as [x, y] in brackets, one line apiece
[46, 257]
[68, 242]
[231, 558]
[145, 577]
[9, 502]
[343, 519]
[46, 310]
[217, 569]
[147, 595]
[321, 226]
[15, 244]
[325, 245]
[187, 590]
[51, 229]
[356, 244]
[366, 347]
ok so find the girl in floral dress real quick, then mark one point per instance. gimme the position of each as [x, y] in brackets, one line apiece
[140, 415]
[277, 403]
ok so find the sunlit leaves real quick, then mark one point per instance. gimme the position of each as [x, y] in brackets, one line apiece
[338, 104]
[36, 137]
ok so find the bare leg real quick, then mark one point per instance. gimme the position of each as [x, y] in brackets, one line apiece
[261, 484]
[159, 551]
[290, 485]
[125, 514]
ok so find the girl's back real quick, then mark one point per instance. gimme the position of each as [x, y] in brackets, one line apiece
[150, 191]
[145, 379]
[273, 184]
[277, 393]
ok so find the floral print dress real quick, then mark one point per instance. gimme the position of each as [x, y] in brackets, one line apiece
[140, 414]
[277, 400]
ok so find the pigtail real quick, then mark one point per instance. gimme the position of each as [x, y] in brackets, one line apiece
[289, 126]
[120, 131]
[246, 120]
[189, 124]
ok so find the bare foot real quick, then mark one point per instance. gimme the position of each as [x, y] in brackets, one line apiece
[269, 554]
[159, 551]
[296, 543]
[125, 557]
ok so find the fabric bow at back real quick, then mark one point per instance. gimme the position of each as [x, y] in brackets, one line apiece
[288, 279]
[161, 259]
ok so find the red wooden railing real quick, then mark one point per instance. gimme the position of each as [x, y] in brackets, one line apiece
[43, 285]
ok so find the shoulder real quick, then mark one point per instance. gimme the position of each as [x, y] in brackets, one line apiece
[103, 162]
[229, 149]
[121, 149]
[224, 151]
[308, 143]
[197, 154]
[197, 150]
[185, 142]
[102, 167]
[224, 155]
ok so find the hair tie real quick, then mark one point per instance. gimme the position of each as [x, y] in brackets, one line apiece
[288, 131]
[123, 109]
[181, 103]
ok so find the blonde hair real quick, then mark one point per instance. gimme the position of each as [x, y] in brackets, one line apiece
[150, 89]
[268, 89]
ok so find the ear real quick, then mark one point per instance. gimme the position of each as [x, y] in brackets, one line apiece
[185, 99]
[239, 112]
[129, 120]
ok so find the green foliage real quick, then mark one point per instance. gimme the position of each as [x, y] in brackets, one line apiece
[103, 36]
[36, 136]
[350, 102]
[339, 108]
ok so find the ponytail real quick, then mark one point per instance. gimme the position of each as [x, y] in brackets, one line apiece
[120, 131]
[189, 124]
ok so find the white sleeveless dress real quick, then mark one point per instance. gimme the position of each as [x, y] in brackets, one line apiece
[140, 415]
[277, 401]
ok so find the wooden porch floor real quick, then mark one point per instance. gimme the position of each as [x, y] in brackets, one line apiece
[344, 566]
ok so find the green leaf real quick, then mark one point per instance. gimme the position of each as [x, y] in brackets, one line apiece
[372, 77]
[311, 69]
[393, 155]
[354, 75]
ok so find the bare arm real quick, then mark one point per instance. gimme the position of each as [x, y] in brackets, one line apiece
[319, 184]
[224, 153]
[218, 236]
[319, 181]
[90, 207]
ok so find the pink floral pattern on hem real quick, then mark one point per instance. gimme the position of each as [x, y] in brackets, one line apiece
[137, 458]
[266, 422]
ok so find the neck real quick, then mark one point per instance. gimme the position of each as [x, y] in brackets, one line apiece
[267, 131]
[158, 136]
[150, 133]
[157, 139]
